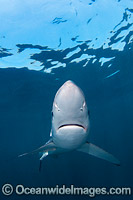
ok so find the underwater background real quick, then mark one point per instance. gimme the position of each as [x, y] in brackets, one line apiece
[43, 44]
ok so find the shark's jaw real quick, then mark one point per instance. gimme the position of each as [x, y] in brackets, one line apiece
[70, 136]
[71, 125]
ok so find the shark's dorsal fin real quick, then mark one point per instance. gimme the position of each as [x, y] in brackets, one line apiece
[98, 152]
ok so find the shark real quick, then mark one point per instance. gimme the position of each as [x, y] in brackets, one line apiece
[70, 126]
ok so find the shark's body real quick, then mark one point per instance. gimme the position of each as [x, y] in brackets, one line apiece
[70, 126]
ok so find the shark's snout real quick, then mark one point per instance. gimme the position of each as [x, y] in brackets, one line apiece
[69, 83]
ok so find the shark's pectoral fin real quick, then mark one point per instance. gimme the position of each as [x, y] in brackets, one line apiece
[98, 152]
[48, 149]
[49, 146]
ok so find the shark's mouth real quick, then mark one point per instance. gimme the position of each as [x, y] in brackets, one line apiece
[77, 125]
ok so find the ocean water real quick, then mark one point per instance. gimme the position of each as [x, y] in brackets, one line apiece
[42, 45]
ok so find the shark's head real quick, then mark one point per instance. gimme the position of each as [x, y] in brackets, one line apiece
[70, 121]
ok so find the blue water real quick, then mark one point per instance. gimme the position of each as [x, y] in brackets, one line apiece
[100, 66]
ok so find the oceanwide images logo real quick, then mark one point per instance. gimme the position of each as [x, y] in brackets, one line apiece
[8, 189]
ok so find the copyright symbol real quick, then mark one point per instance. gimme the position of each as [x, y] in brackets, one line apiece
[7, 189]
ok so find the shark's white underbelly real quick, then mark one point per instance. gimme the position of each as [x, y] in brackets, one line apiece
[70, 137]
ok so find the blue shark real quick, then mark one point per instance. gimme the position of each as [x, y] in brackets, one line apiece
[70, 126]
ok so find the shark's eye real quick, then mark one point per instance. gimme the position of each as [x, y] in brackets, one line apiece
[82, 108]
[56, 107]
[52, 113]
